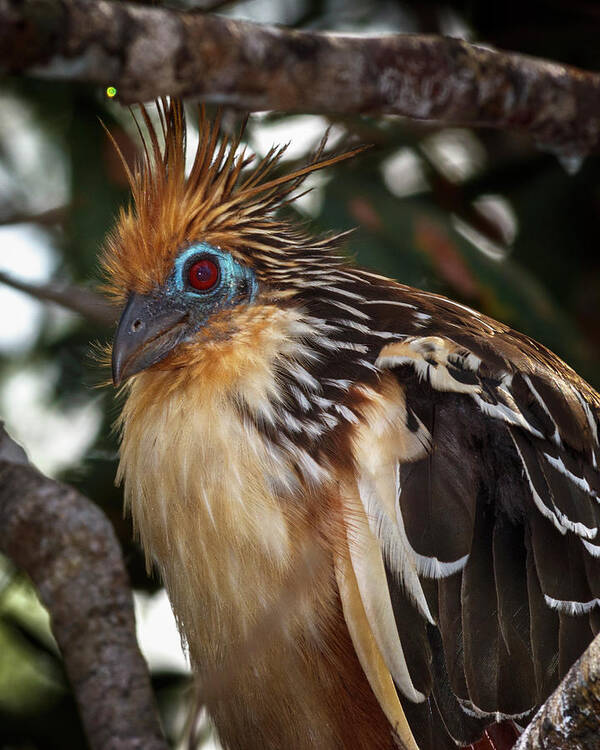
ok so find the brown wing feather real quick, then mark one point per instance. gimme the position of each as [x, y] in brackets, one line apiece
[450, 625]
[517, 684]
[544, 634]
[503, 514]
[481, 627]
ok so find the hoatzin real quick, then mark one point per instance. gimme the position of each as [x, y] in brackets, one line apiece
[375, 510]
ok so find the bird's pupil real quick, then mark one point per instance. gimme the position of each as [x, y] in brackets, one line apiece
[203, 274]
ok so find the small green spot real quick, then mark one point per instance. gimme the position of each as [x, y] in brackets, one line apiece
[111, 92]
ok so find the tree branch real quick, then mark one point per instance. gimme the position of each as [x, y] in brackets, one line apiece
[89, 304]
[147, 51]
[45, 218]
[570, 718]
[68, 548]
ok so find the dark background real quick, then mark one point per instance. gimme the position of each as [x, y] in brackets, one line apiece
[485, 217]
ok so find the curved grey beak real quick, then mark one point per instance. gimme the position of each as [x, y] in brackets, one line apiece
[148, 330]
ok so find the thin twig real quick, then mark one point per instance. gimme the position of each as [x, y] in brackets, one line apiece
[203, 6]
[89, 304]
[147, 51]
[44, 218]
[68, 548]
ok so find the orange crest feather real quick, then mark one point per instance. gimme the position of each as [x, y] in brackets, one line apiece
[220, 202]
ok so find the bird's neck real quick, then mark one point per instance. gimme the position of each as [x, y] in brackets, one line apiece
[243, 533]
[207, 489]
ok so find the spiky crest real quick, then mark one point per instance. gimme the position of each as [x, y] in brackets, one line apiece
[221, 202]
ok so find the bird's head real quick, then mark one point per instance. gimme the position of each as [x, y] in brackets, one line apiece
[196, 252]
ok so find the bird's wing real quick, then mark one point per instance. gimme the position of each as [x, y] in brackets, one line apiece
[473, 523]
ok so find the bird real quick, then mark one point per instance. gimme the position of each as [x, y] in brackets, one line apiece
[375, 510]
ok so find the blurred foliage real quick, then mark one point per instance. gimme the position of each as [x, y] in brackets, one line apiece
[483, 217]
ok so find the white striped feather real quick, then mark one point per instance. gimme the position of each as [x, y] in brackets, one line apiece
[341, 383]
[314, 473]
[367, 564]
[393, 302]
[346, 413]
[578, 528]
[344, 292]
[368, 653]
[392, 536]
[539, 503]
[367, 330]
[368, 365]
[303, 377]
[431, 567]
[593, 549]
[353, 347]
[556, 436]
[349, 309]
[330, 420]
[301, 399]
[505, 413]
[580, 482]
[571, 608]
[422, 317]
[470, 709]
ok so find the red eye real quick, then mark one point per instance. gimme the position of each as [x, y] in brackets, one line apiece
[203, 274]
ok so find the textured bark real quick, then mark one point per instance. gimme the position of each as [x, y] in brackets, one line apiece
[148, 51]
[67, 546]
[570, 718]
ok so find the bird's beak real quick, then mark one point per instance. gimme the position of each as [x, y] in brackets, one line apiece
[148, 330]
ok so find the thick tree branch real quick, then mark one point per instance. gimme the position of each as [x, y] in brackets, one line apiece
[146, 51]
[68, 548]
[570, 718]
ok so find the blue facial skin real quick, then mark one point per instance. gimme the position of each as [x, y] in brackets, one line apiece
[236, 284]
[153, 324]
